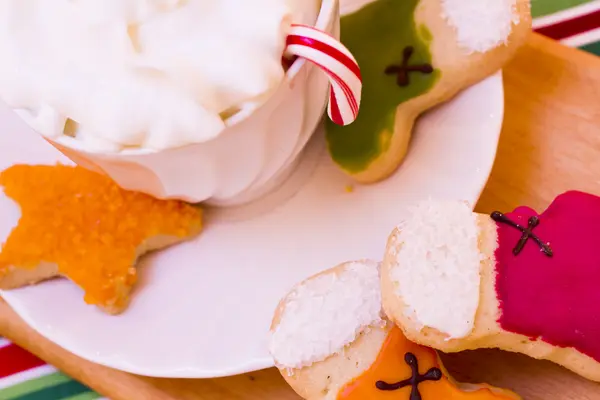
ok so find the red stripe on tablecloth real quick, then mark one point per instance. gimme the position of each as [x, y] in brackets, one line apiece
[14, 359]
[571, 27]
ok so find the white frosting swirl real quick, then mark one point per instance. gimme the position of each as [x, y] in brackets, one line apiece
[151, 74]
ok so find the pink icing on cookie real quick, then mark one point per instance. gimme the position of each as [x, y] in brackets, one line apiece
[555, 298]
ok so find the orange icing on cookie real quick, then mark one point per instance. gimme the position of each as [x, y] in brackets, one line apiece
[391, 367]
[87, 225]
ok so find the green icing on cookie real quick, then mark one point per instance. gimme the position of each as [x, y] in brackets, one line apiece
[380, 35]
[425, 34]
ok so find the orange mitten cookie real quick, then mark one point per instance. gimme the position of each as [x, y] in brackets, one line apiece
[81, 225]
[331, 341]
[523, 281]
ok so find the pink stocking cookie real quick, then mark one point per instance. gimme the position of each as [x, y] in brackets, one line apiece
[520, 281]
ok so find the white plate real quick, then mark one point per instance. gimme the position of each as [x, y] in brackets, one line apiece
[203, 309]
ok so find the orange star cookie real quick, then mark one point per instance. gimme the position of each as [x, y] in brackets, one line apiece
[79, 224]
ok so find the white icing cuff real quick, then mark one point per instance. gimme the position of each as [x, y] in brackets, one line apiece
[481, 25]
[325, 314]
[437, 273]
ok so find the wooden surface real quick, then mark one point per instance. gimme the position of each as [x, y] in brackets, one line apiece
[550, 143]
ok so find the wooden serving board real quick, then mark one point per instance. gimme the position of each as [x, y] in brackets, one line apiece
[550, 143]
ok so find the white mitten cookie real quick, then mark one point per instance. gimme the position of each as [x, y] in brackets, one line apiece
[414, 55]
[523, 282]
[331, 341]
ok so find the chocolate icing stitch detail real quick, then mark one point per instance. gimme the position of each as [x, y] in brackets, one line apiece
[434, 374]
[402, 71]
[527, 232]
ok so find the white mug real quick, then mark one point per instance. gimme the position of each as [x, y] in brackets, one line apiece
[254, 153]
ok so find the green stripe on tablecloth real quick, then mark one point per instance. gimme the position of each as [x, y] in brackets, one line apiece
[544, 7]
[84, 396]
[56, 386]
[592, 48]
[33, 385]
[62, 391]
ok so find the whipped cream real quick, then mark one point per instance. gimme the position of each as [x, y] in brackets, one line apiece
[109, 75]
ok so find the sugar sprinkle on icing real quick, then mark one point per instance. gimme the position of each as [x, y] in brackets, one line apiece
[481, 25]
[437, 271]
[327, 313]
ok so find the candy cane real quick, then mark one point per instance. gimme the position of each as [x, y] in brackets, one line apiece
[337, 62]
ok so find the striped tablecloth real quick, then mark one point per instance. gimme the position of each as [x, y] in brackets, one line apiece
[25, 377]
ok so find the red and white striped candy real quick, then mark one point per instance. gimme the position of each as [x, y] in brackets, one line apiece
[337, 62]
